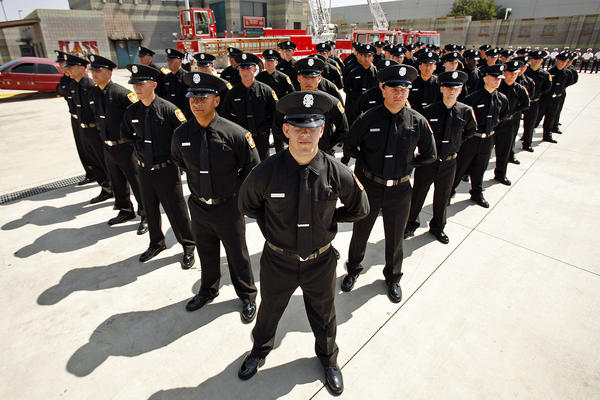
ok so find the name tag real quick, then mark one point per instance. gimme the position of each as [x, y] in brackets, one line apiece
[423, 104]
[372, 102]
[415, 89]
[134, 121]
[91, 102]
[357, 77]
[480, 105]
[434, 120]
[204, 172]
[185, 144]
[303, 225]
[173, 95]
[374, 130]
[237, 99]
[147, 141]
[445, 141]
[278, 195]
[389, 155]
[102, 116]
[557, 83]
[489, 116]
[78, 105]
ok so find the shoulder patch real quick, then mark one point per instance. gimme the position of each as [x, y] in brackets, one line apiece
[340, 107]
[274, 95]
[429, 126]
[228, 85]
[287, 78]
[250, 140]
[358, 182]
[132, 97]
[550, 77]
[165, 71]
[180, 115]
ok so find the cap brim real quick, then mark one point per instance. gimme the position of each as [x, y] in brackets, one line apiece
[135, 81]
[306, 123]
[398, 84]
[68, 64]
[193, 94]
[204, 63]
[310, 73]
[172, 57]
[451, 84]
[92, 67]
[246, 65]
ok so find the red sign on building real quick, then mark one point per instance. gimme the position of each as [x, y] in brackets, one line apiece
[78, 47]
[254, 22]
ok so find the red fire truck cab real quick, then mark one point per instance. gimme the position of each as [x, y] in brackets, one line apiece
[197, 23]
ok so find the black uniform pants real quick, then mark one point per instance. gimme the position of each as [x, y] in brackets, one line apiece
[122, 172]
[163, 187]
[212, 224]
[94, 148]
[474, 156]
[595, 66]
[262, 145]
[280, 275]
[559, 108]
[81, 152]
[530, 122]
[584, 65]
[394, 202]
[278, 143]
[514, 136]
[504, 139]
[548, 108]
[441, 174]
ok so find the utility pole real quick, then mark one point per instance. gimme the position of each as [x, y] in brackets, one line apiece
[2, 2]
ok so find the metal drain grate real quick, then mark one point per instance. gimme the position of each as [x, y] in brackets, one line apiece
[21, 194]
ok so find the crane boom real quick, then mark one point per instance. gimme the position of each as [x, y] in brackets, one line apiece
[321, 21]
[379, 19]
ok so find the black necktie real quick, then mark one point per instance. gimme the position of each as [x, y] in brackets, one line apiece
[390, 150]
[304, 237]
[148, 161]
[205, 182]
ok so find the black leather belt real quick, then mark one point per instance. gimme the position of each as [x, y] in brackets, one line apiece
[87, 125]
[296, 256]
[385, 182]
[213, 201]
[447, 158]
[115, 143]
[483, 135]
[155, 166]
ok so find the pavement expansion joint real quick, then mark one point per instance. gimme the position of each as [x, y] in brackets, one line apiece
[21, 194]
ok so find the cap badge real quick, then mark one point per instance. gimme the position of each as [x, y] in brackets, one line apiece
[134, 69]
[516, 63]
[65, 57]
[139, 49]
[168, 51]
[92, 58]
[502, 68]
[387, 63]
[454, 75]
[430, 54]
[311, 62]
[244, 56]
[308, 100]
[402, 71]
[202, 56]
[196, 78]
[367, 47]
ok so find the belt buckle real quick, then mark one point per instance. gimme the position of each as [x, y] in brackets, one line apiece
[483, 135]
[82, 125]
[209, 201]
[303, 259]
[389, 183]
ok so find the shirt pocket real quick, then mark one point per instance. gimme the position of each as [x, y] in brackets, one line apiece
[324, 207]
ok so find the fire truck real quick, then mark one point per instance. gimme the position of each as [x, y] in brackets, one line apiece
[397, 36]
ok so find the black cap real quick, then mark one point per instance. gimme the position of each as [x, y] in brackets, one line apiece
[398, 51]
[450, 47]
[485, 47]
[174, 53]
[232, 51]
[356, 45]
[309, 66]
[201, 84]
[245, 60]
[287, 45]
[461, 47]
[448, 57]
[538, 54]
[331, 43]
[522, 51]
[306, 109]
[493, 70]
[204, 59]
[379, 43]
[452, 78]
[74, 60]
[366, 49]
[507, 53]
[397, 76]
[381, 64]
[472, 54]
[319, 56]
[323, 48]
[61, 56]
[388, 47]
[142, 73]
[428, 57]
[97, 62]
[271, 54]
[410, 47]
[492, 53]
[513, 66]
[144, 51]
[419, 44]
[563, 56]
[523, 59]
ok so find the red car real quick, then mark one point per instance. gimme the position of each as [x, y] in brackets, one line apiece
[30, 73]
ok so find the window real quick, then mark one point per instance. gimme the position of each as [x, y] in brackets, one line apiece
[46, 69]
[297, 25]
[25, 68]
[202, 21]
[187, 21]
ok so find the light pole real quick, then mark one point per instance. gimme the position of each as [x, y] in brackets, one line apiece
[506, 13]
[2, 2]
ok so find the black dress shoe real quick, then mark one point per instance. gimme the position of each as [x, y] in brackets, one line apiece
[187, 260]
[550, 140]
[408, 232]
[503, 181]
[480, 201]
[104, 195]
[528, 148]
[335, 382]
[142, 227]
[248, 312]
[121, 217]
[199, 301]
[151, 253]
[394, 292]
[85, 181]
[513, 160]
[250, 366]
[440, 236]
[348, 282]
[557, 131]
[465, 178]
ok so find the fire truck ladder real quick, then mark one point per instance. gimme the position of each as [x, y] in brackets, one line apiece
[321, 21]
[380, 22]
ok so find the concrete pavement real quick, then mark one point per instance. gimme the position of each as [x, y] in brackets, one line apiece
[507, 310]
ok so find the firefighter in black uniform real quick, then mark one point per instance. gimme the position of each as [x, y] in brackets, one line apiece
[572, 78]
[373, 96]
[379, 55]
[231, 73]
[550, 102]
[474, 82]
[145, 55]
[360, 79]
[109, 101]
[293, 197]
[216, 155]
[205, 63]
[383, 141]
[490, 108]
[63, 89]
[331, 71]
[81, 89]
[452, 123]
[425, 89]
[251, 104]
[543, 84]
[528, 84]
[173, 87]
[150, 123]
[278, 81]
[409, 58]
[518, 101]
[287, 62]
[335, 58]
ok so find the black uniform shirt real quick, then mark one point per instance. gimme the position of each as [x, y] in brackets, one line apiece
[359, 80]
[270, 194]
[328, 87]
[164, 118]
[174, 91]
[231, 75]
[81, 91]
[368, 141]
[109, 105]
[288, 68]
[232, 155]
[489, 108]
[253, 107]
[451, 126]
[332, 73]
[278, 81]
[518, 99]
[474, 80]
[424, 92]
[559, 81]
[543, 82]
[528, 84]
[369, 99]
